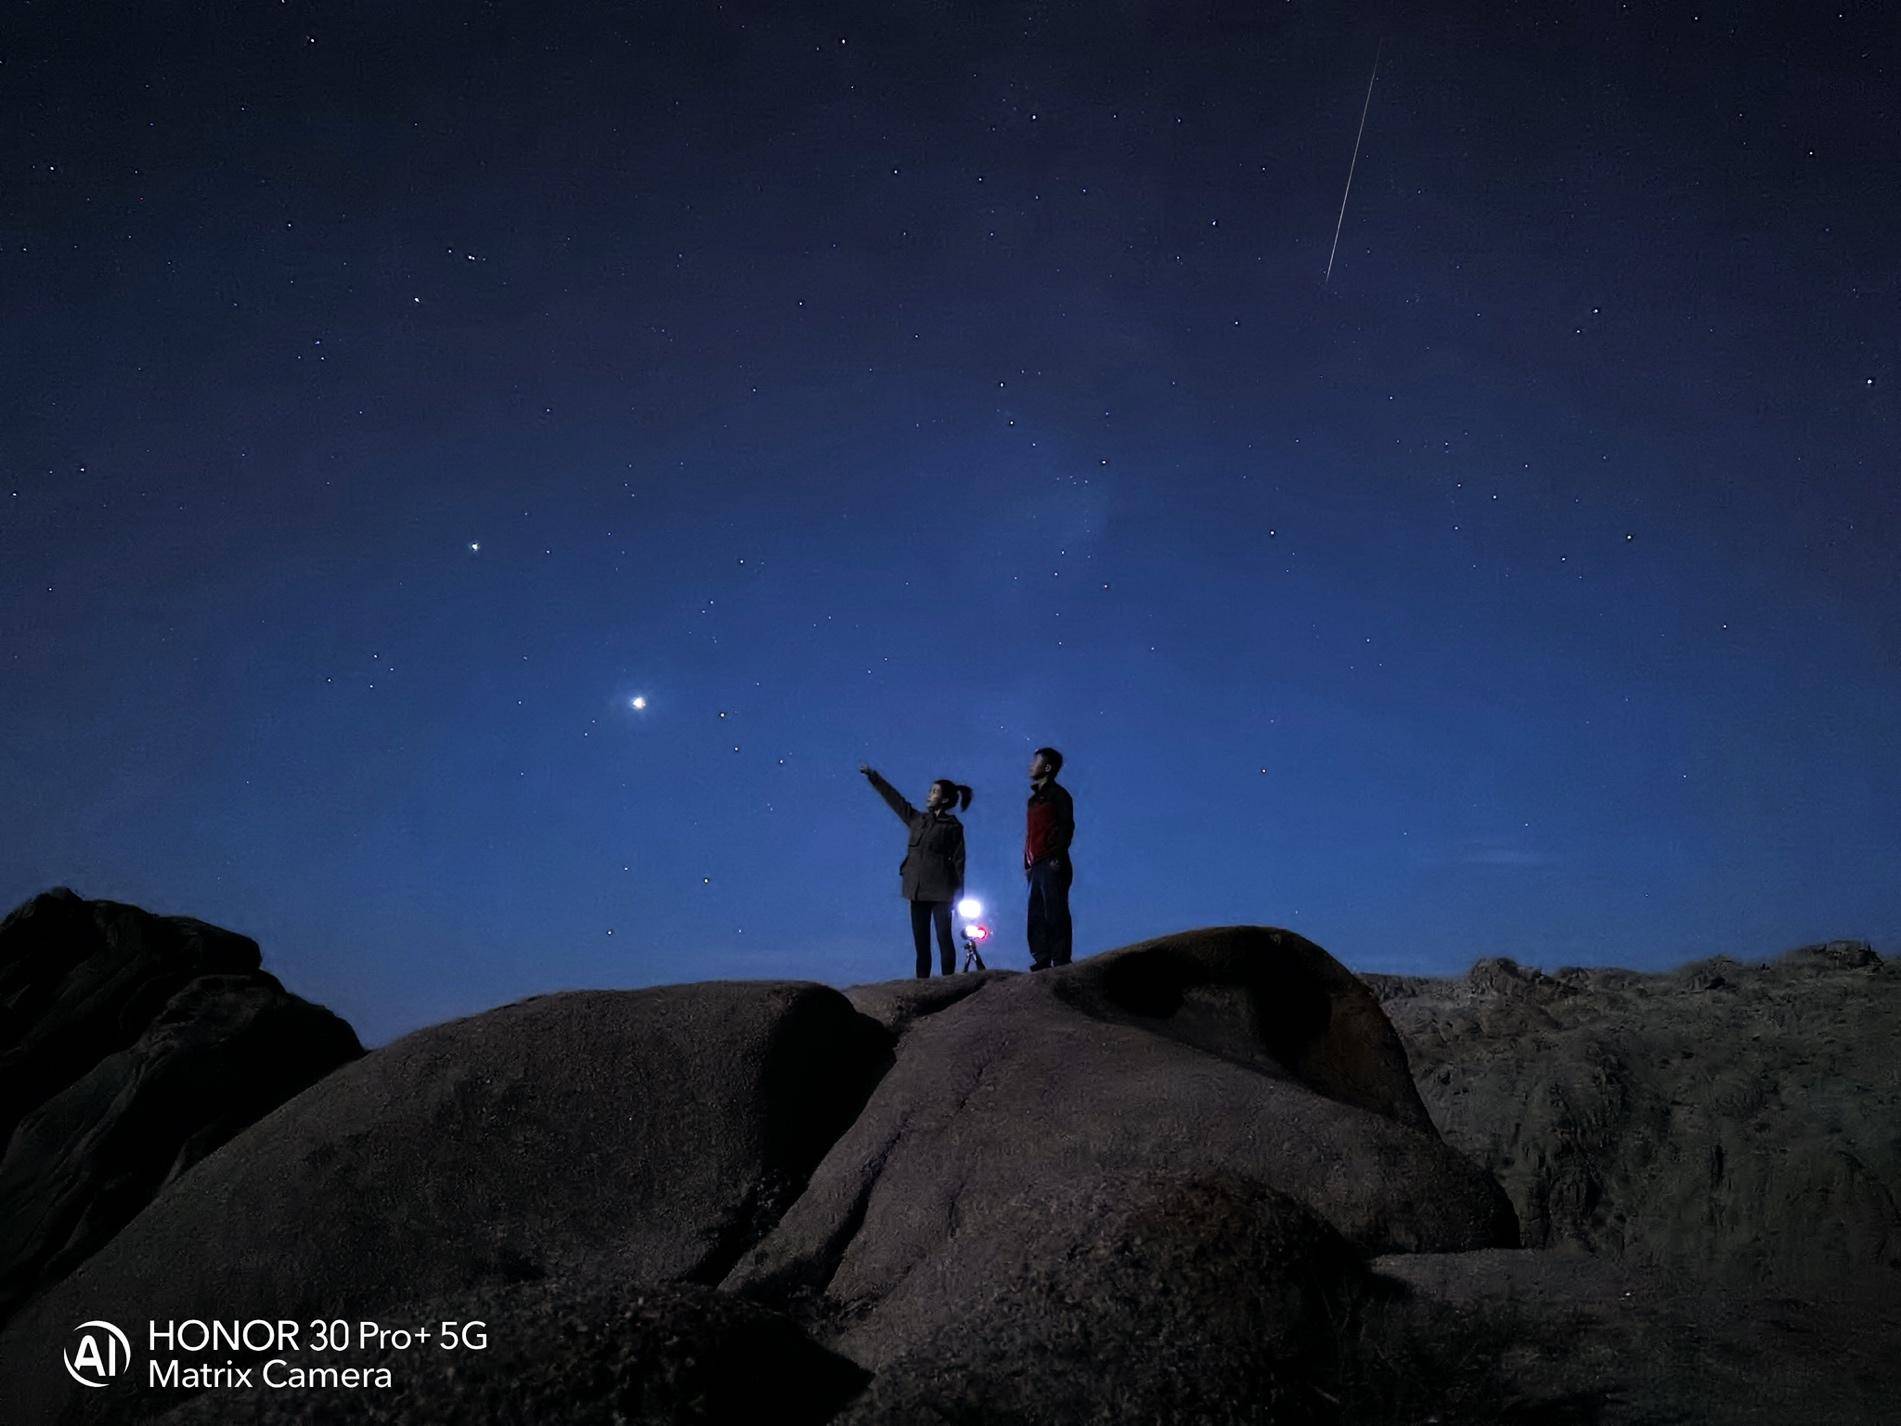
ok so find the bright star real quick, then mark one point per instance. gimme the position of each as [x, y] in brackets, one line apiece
[637, 702]
[474, 548]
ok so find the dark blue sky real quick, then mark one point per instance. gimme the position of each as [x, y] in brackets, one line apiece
[919, 390]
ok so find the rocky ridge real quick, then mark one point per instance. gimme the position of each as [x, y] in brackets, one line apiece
[131, 1046]
[1197, 1180]
[1704, 1120]
[1176, 1156]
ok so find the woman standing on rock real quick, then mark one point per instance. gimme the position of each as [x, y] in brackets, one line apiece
[932, 874]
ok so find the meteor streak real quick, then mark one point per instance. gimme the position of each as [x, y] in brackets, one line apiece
[1341, 220]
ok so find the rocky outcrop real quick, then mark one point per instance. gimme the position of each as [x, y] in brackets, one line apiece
[629, 1136]
[1242, 1055]
[1150, 1296]
[1170, 1159]
[1149, 1186]
[1727, 1119]
[131, 1046]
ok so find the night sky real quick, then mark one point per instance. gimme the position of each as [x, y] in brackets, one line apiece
[389, 395]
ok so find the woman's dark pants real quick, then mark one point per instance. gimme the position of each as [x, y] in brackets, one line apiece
[923, 913]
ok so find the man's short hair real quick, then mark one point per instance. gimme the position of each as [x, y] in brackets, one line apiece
[1052, 757]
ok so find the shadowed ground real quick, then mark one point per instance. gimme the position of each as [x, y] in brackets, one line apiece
[1196, 1180]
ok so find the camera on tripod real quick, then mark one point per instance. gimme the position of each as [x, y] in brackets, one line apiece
[970, 909]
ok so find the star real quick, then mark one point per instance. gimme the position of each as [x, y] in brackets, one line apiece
[474, 548]
[638, 702]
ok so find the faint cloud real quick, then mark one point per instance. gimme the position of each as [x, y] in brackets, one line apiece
[1506, 856]
[1484, 853]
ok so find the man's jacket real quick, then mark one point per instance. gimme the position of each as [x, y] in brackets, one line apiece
[933, 866]
[1050, 825]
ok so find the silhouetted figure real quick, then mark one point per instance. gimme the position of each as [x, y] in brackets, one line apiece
[1049, 828]
[931, 876]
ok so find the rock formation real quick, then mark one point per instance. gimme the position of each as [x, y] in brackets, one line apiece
[1239, 1052]
[131, 1046]
[1174, 1156]
[1708, 1120]
[1196, 1180]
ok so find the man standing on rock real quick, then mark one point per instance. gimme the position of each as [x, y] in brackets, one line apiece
[1049, 829]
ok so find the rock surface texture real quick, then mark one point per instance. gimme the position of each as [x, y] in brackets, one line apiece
[1190, 1181]
[965, 1197]
[131, 1046]
[618, 1137]
[1231, 1054]
[1710, 1120]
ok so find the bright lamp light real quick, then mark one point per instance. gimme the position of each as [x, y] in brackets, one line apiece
[970, 908]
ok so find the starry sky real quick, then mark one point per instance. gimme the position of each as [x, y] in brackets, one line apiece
[390, 395]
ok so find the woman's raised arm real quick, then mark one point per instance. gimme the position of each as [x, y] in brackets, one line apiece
[893, 798]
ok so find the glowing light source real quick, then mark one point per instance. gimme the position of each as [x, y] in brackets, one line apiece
[970, 908]
[977, 933]
[637, 702]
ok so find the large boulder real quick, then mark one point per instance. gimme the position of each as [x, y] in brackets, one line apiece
[131, 1046]
[1243, 1054]
[1728, 1119]
[645, 1135]
[1151, 1296]
[1139, 1187]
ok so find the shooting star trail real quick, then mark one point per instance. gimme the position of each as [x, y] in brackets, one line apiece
[1339, 222]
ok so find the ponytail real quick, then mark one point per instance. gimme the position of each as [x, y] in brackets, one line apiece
[960, 792]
